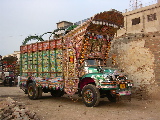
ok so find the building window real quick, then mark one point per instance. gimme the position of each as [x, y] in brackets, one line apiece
[135, 21]
[152, 17]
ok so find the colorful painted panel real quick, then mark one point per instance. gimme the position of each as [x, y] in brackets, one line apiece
[52, 60]
[35, 62]
[34, 47]
[58, 43]
[46, 45]
[53, 75]
[40, 46]
[46, 66]
[24, 62]
[40, 63]
[56, 83]
[51, 83]
[30, 62]
[25, 74]
[58, 53]
[30, 48]
[58, 64]
[46, 75]
[23, 49]
[52, 44]
[65, 63]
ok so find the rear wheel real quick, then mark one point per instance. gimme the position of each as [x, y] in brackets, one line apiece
[57, 93]
[32, 91]
[90, 95]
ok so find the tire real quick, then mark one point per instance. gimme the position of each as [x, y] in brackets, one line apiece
[111, 98]
[25, 91]
[57, 93]
[32, 91]
[90, 95]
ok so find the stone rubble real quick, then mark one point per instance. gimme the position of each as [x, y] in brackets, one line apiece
[13, 110]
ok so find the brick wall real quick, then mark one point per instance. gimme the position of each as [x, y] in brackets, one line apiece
[139, 56]
[153, 43]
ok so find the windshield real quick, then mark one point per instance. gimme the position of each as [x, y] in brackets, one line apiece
[90, 62]
[94, 62]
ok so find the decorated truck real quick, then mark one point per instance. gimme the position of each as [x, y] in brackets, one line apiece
[76, 63]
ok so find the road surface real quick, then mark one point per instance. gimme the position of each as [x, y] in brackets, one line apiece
[66, 108]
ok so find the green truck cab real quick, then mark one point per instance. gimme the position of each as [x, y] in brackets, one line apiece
[101, 81]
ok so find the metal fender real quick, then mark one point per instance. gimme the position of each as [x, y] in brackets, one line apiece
[86, 81]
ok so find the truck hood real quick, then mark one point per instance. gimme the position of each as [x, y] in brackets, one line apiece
[102, 73]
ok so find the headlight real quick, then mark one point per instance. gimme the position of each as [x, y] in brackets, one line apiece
[108, 78]
[130, 84]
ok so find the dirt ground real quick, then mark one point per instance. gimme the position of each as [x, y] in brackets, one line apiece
[66, 108]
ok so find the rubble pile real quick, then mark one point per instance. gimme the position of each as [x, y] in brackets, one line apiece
[10, 109]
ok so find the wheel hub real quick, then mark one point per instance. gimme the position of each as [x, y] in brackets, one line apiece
[30, 91]
[88, 96]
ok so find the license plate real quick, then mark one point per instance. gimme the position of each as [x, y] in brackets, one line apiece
[122, 86]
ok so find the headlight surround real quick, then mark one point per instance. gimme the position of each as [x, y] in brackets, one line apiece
[108, 78]
[121, 77]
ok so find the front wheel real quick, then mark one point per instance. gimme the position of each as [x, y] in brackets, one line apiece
[90, 95]
[32, 91]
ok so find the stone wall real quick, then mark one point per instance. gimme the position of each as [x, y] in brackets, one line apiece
[139, 56]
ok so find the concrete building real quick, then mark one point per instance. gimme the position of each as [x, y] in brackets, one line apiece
[142, 20]
[63, 24]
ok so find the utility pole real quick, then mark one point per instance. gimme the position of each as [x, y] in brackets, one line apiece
[135, 4]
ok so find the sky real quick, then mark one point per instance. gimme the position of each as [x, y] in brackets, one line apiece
[22, 18]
